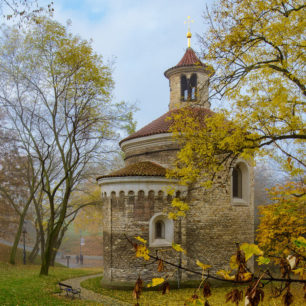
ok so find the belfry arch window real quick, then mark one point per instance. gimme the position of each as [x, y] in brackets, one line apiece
[189, 87]
[240, 183]
[161, 231]
[193, 86]
[184, 88]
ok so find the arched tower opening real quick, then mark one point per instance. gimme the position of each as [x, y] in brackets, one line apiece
[184, 88]
[193, 87]
[188, 82]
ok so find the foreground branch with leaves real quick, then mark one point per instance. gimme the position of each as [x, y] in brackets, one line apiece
[238, 274]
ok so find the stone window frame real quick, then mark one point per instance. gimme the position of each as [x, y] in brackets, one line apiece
[244, 199]
[169, 231]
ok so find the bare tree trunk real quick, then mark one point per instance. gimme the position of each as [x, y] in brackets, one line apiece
[58, 244]
[44, 270]
[16, 241]
[35, 250]
[47, 255]
[18, 234]
[52, 238]
[55, 250]
[40, 229]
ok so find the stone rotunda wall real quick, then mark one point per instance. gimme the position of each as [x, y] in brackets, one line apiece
[215, 222]
[130, 214]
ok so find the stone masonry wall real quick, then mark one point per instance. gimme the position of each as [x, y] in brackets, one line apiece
[208, 233]
[214, 224]
[164, 158]
[129, 215]
[163, 154]
[175, 90]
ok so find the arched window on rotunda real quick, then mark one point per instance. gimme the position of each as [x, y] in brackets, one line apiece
[240, 183]
[237, 182]
[159, 230]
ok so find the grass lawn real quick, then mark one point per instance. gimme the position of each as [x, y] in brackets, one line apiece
[178, 297]
[21, 285]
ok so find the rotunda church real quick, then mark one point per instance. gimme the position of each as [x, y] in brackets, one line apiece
[136, 203]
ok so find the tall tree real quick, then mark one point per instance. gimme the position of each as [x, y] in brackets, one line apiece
[257, 52]
[57, 93]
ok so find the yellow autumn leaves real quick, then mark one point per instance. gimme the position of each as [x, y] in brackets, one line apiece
[141, 250]
[203, 266]
[156, 281]
[282, 224]
[248, 250]
[178, 248]
[180, 208]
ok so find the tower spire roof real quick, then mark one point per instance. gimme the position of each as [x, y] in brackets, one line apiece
[189, 59]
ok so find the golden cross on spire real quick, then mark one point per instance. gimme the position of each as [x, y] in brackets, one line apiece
[188, 22]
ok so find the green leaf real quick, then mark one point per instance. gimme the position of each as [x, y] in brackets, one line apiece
[263, 260]
[300, 242]
[250, 249]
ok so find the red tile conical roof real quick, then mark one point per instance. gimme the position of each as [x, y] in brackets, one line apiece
[146, 168]
[163, 123]
[157, 126]
[189, 59]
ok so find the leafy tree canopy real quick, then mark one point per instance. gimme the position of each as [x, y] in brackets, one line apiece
[282, 223]
[257, 51]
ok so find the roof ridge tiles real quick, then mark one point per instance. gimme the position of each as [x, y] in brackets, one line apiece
[145, 168]
[189, 59]
[162, 124]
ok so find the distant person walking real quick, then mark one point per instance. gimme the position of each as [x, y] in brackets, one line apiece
[77, 259]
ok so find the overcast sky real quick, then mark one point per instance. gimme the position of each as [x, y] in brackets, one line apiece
[144, 37]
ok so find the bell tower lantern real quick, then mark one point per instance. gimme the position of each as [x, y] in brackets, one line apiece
[188, 81]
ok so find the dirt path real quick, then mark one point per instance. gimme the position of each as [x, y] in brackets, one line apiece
[92, 296]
